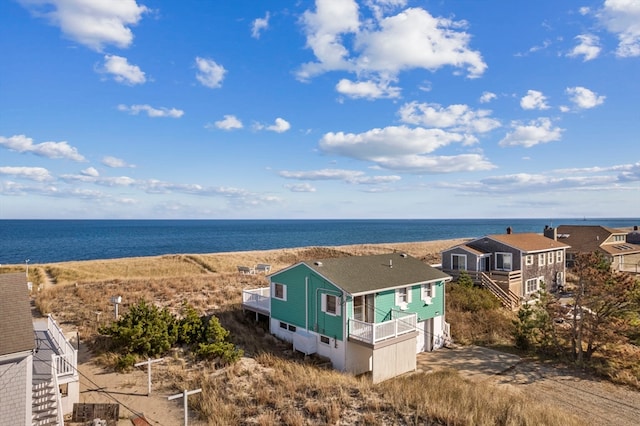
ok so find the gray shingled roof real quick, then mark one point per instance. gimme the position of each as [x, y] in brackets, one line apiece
[361, 274]
[16, 326]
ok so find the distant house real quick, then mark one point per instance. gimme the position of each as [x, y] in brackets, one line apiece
[39, 381]
[367, 314]
[619, 247]
[513, 266]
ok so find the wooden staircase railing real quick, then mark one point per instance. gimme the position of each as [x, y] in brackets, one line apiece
[508, 298]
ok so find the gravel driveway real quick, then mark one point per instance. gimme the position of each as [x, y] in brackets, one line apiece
[597, 401]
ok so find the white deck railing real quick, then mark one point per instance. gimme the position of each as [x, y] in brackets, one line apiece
[65, 360]
[401, 323]
[259, 298]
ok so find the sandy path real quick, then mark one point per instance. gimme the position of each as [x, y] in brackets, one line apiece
[130, 391]
[594, 400]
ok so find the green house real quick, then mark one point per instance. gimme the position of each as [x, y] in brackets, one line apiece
[367, 314]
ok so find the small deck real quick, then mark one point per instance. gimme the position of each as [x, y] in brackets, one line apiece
[257, 300]
[399, 325]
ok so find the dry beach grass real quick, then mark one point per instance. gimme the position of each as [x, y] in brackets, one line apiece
[271, 384]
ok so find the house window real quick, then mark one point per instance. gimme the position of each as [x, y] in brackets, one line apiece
[529, 260]
[503, 261]
[330, 304]
[427, 292]
[280, 291]
[559, 256]
[541, 258]
[550, 258]
[292, 328]
[325, 340]
[532, 285]
[283, 325]
[403, 297]
[458, 262]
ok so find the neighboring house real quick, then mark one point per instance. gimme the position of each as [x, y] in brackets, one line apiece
[367, 314]
[512, 266]
[39, 381]
[619, 247]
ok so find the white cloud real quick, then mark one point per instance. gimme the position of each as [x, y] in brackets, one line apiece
[122, 71]
[114, 162]
[90, 171]
[531, 134]
[588, 47]
[89, 22]
[487, 97]
[404, 149]
[622, 18]
[367, 89]
[584, 98]
[280, 126]
[259, 25]
[534, 100]
[384, 46]
[151, 111]
[38, 174]
[300, 187]
[454, 117]
[209, 74]
[22, 144]
[230, 122]
[349, 176]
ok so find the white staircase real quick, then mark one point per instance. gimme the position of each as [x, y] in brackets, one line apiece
[44, 404]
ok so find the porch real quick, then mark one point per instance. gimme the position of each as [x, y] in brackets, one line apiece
[400, 324]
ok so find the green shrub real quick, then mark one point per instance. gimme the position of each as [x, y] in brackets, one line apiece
[145, 330]
[468, 298]
[125, 362]
[191, 328]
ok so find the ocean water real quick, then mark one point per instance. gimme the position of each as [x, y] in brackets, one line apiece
[46, 241]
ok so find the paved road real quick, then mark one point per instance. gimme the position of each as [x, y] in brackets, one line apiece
[597, 401]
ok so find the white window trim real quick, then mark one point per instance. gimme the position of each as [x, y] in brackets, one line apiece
[325, 304]
[550, 258]
[537, 280]
[454, 255]
[284, 291]
[541, 259]
[559, 256]
[528, 259]
[504, 254]
[403, 305]
[427, 293]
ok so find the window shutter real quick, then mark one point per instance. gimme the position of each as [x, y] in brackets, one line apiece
[323, 302]
[338, 306]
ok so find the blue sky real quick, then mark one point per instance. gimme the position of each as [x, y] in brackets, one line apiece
[326, 109]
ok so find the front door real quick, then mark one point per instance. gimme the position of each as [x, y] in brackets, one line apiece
[363, 309]
[424, 341]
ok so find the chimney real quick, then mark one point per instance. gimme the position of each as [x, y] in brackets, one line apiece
[509, 230]
[550, 232]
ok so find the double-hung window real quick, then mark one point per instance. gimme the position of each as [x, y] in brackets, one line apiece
[280, 291]
[331, 304]
[541, 259]
[559, 256]
[427, 293]
[528, 259]
[403, 297]
[550, 258]
[532, 285]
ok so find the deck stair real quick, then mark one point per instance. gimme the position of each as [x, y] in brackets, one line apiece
[44, 404]
[507, 297]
